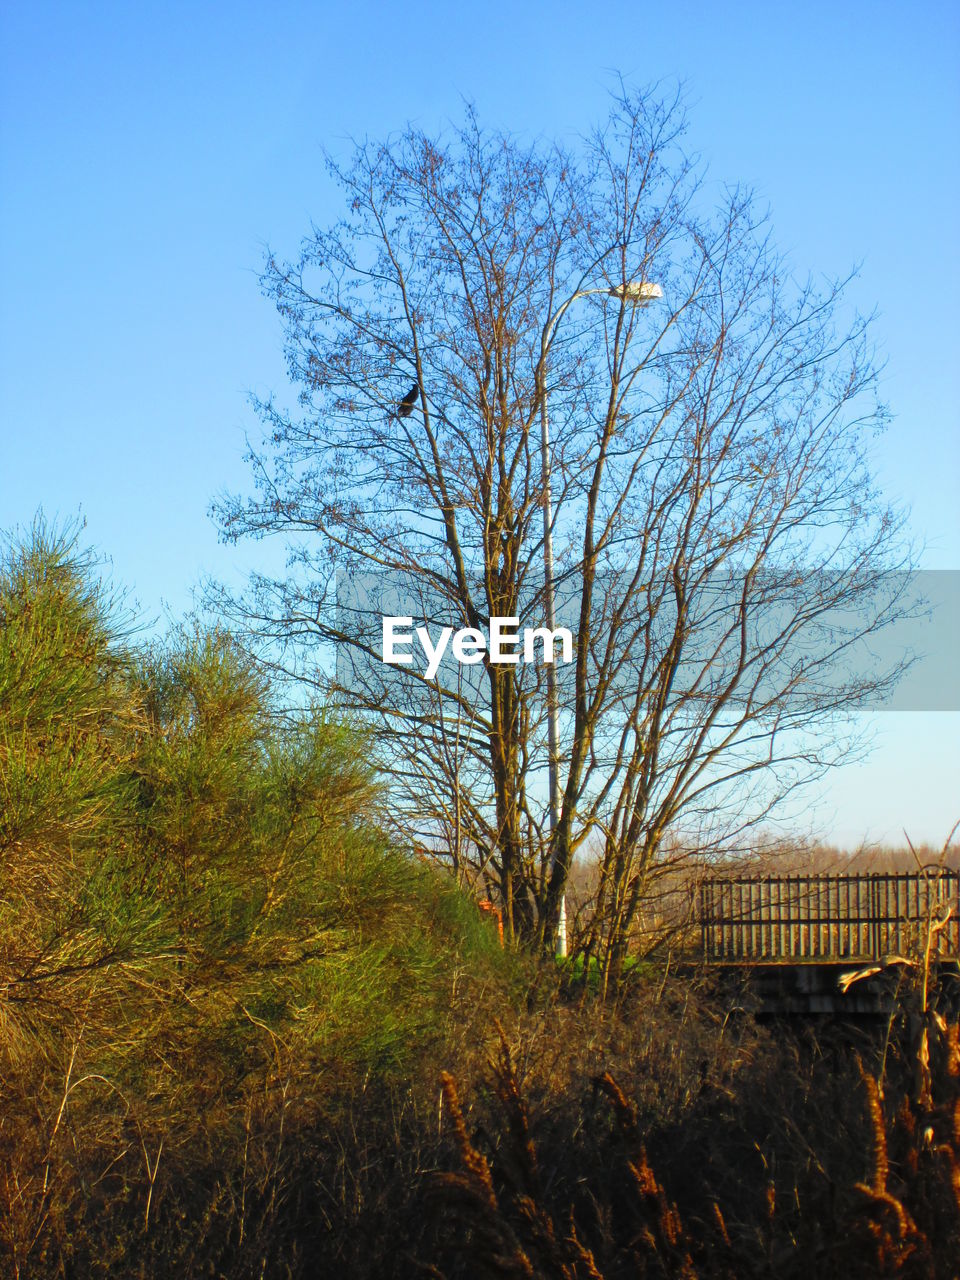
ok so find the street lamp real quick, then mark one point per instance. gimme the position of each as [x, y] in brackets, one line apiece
[639, 293]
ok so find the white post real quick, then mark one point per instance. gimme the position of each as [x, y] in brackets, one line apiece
[549, 610]
[640, 293]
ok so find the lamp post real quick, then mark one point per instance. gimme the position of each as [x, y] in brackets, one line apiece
[639, 293]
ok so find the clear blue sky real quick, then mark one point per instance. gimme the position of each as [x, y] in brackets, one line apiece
[148, 153]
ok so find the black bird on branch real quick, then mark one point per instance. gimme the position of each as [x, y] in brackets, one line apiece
[405, 407]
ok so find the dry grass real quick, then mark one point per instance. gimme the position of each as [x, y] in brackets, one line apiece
[875, 1191]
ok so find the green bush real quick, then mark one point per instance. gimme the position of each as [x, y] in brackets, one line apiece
[207, 941]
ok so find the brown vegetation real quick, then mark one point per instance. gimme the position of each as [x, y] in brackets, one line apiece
[791, 1164]
[242, 1035]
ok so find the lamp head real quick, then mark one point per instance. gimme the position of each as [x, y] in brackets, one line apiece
[640, 292]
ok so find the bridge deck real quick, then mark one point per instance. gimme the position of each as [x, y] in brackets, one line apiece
[822, 918]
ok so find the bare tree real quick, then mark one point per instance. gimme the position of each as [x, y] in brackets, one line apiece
[719, 544]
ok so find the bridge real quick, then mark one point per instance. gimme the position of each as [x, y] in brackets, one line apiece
[796, 935]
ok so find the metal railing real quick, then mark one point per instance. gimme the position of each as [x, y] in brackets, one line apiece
[829, 917]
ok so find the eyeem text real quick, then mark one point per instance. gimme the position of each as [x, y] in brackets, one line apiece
[504, 643]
